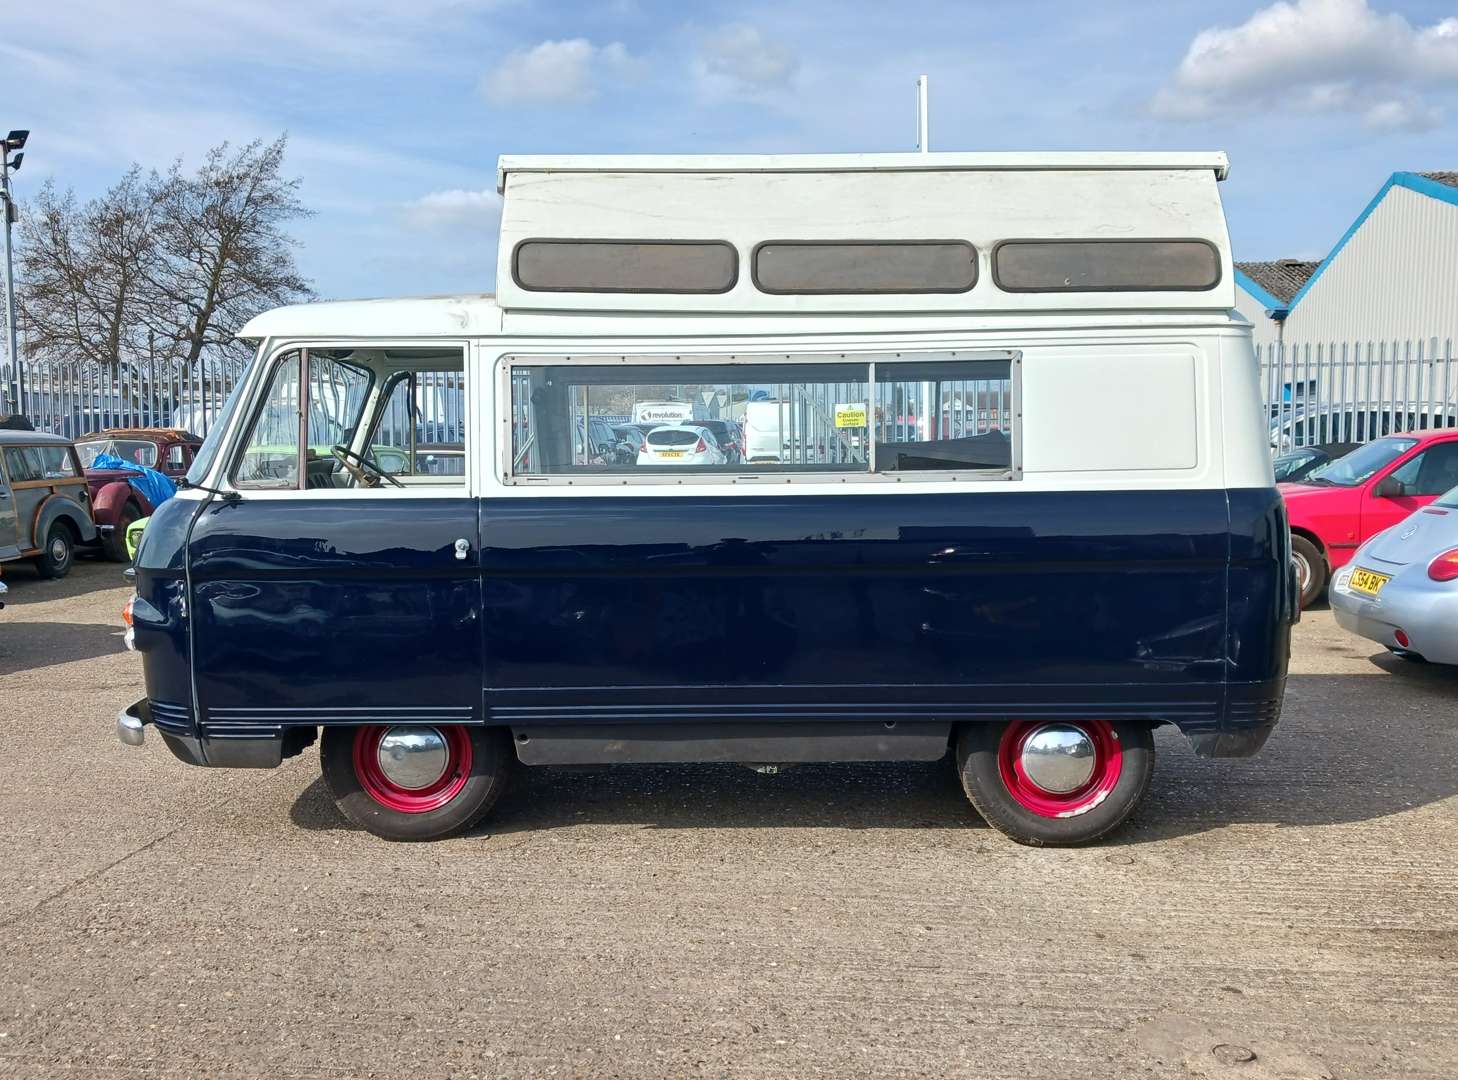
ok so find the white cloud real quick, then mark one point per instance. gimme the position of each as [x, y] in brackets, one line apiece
[558, 72]
[1401, 114]
[456, 208]
[738, 60]
[1316, 56]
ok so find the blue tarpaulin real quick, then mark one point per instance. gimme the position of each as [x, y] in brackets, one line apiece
[154, 486]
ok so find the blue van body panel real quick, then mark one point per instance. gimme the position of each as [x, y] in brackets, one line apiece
[911, 606]
[161, 627]
[589, 613]
[313, 611]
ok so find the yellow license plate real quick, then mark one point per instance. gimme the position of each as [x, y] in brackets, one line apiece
[670, 453]
[1368, 581]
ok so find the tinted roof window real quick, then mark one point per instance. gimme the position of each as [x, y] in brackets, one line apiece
[882, 266]
[625, 266]
[1105, 265]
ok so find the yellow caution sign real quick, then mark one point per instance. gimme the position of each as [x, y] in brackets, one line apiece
[850, 414]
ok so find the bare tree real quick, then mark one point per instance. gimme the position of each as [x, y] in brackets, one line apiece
[86, 271]
[225, 254]
[161, 267]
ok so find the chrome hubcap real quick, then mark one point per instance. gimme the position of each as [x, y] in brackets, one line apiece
[58, 550]
[1059, 758]
[1303, 570]
[413, 757]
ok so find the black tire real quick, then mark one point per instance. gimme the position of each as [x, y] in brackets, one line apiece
[979, 747]
[492, 760]
[58, 552]
[115, 545]
[1311, 570]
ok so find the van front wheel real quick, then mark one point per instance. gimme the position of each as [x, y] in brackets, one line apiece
[1059, 782]
[415, 781]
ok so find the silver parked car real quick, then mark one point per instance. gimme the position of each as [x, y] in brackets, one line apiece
[1401, 587]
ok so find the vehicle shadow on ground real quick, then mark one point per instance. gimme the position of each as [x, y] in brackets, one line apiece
[30, 646]
[1350, 748]
[899, 795]
[87, 575]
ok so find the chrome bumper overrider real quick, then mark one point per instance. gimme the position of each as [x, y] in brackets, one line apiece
[130, 724]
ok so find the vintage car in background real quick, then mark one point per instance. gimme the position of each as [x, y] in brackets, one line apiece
[115, 501]
[1346, 502]
[45, 506]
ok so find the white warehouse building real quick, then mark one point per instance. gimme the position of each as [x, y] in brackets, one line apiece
[1393, 276]
[1372, 329]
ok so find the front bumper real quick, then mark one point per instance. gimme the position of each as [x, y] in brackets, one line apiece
[1426, 611]
[218, 751]
[131, 723]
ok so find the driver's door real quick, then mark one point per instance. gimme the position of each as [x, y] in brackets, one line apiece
[322, 598]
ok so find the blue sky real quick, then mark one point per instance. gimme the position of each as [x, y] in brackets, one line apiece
[397, 111]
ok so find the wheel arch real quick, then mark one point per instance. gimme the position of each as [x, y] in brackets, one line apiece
[112, 498]
[56, 508]
[1313, 538]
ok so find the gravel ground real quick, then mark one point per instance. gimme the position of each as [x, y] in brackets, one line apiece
[839, 921]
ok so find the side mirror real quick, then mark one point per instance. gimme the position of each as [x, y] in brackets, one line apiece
[1389, 487]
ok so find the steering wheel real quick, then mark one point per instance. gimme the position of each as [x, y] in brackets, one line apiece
[362, 467]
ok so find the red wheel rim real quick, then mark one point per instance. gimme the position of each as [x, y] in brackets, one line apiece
[392, 796]
[1108, 764]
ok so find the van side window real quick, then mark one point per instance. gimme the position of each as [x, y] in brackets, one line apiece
[944, 415]
[639, 420]
[371, 420]
[270, 456]
[420, 430]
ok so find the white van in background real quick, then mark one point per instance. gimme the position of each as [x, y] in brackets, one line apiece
[767, 425]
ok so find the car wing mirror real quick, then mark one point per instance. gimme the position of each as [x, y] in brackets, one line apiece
[1389, 487]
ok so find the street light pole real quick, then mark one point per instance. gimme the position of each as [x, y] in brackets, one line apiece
[14, 141]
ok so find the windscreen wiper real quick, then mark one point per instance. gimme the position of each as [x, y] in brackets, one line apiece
[184, 484]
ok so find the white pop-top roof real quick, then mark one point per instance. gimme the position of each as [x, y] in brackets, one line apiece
[981, 199]
[999, 161]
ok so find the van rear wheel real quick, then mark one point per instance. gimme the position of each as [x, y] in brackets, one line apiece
[1055, 783]
[415, 781]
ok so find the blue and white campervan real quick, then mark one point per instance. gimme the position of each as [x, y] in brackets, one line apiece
[1021, 512]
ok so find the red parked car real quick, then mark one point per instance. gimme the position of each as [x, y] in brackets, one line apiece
[1343, 503]
[115, 503]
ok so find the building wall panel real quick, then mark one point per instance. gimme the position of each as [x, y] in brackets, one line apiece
[1395, 279]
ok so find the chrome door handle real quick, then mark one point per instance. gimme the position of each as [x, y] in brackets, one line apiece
[461, 548]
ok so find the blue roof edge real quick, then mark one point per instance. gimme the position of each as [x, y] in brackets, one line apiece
[1412, 182]
[1274, 308]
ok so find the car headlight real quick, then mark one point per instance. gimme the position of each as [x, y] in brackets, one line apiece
[1343, 576]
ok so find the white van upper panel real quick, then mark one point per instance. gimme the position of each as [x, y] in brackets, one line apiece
[908, 198]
